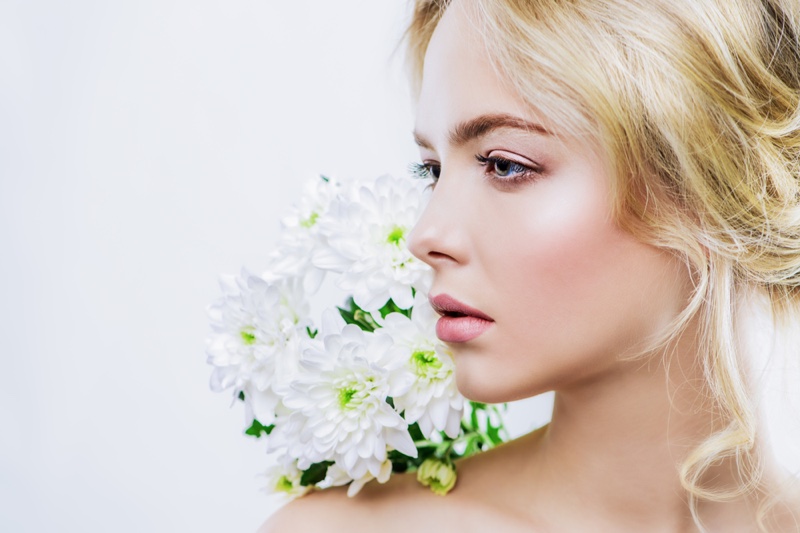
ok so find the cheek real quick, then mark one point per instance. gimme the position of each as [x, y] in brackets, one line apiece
[571, 284]
[560, 251]
[572, 261]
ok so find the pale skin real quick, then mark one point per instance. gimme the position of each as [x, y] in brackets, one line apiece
[571, 295]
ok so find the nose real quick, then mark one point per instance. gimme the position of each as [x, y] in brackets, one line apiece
[440, 236]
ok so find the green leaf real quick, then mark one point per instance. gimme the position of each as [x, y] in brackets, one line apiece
[399, 467]
[315, 473]
[400, 461]
[365, 320]
[241, 395]
[473, 445]
[404, 463]
[494, 435]
[311, 332]
[353, 314]
[347, 315]
[395, 455]
[257, 428]
[391, 307]
[497, 430]
[473, 418]
[424, 454]
[415, 432]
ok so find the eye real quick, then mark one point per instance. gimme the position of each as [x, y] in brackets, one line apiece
[426, 170]
[506, 170]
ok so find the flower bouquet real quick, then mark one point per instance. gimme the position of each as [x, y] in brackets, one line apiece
[369, 390]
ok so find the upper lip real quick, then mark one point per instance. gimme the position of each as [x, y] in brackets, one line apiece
[446, 305]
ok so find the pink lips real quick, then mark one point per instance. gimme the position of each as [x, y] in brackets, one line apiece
[459, 322]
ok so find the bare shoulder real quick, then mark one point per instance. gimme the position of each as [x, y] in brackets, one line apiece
[317, 511]
[477, 503]
[332, 510]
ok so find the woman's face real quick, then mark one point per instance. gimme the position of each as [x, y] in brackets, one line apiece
[519, 228]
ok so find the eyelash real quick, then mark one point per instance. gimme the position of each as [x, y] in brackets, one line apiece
[423, 171]
[427, 170]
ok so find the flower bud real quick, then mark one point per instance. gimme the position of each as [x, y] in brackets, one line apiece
[437, 474]
[284, 478]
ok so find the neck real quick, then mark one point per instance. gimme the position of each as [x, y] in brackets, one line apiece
[615, 444]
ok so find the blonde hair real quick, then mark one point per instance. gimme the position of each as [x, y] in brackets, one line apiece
[697, 104]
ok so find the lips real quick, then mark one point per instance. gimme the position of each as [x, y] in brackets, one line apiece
[459, 322]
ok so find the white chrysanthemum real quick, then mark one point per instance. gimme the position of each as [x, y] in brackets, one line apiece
[337, 476]
[300, 236]
[338, 402]
[433, 401]
[258, 331]
[366, 233]
[284, 478]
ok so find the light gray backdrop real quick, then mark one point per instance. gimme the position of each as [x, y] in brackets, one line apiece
[145, 147]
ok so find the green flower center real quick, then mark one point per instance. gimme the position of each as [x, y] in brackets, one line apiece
[284, 484]
[248, 336]
[310, 221]
[425, 362]
[346, 397]
[396, 236]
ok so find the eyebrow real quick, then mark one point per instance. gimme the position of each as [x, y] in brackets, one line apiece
[482, 125]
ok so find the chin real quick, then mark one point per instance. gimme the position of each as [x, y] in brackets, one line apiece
[488, 378]
[483, 385]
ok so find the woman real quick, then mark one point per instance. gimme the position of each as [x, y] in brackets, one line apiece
[615, 205]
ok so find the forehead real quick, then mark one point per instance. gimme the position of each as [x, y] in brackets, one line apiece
[459, 79]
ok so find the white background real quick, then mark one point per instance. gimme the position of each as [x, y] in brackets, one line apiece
[145, 147]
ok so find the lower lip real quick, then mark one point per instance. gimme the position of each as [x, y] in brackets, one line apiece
[461, 329]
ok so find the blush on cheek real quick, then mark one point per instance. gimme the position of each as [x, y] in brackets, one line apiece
[565, 243]
[574, 284]
[594, 290]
